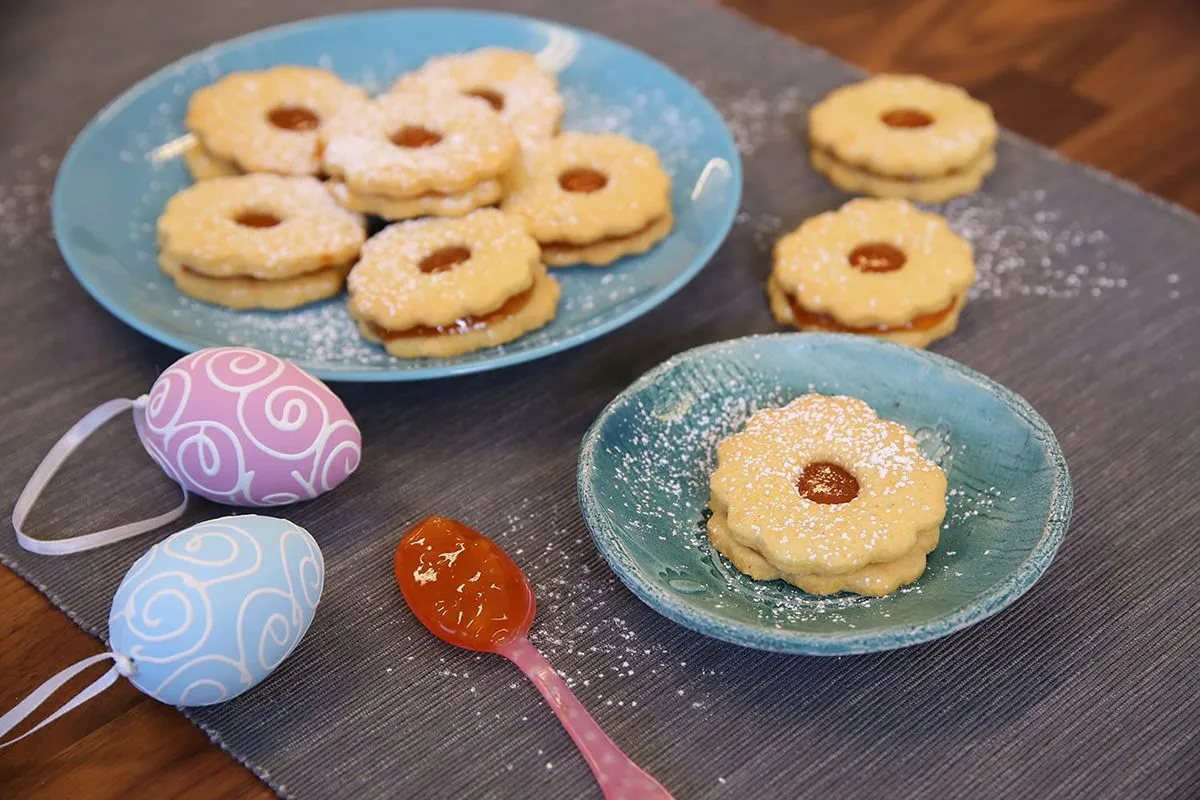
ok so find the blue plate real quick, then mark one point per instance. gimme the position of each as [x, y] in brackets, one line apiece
[643, 485]
[120, 171]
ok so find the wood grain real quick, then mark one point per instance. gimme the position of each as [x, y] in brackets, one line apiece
[1109, 82]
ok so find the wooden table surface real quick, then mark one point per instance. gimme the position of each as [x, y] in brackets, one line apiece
[1109, 82]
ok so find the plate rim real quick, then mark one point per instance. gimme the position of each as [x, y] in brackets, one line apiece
[685, 613]
[433, 371]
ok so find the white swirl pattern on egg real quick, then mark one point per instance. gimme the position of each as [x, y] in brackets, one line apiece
[243, 427]
[212, 610]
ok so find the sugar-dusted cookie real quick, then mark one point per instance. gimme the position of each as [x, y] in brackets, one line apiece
[264, 121]
[591, 198]
[409, 153]
[510, 81]
[903, 136]
[828, 496]
[443, 287]
[406, 143]
[258, 241]
[876, 267]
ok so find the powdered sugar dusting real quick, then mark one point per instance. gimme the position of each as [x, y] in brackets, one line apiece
[898, 493]
[25, 201]
[756, 119]
[1024, 247]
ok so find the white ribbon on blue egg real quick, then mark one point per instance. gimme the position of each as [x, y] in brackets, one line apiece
[51, 464]
[201, 617]
[12, 719]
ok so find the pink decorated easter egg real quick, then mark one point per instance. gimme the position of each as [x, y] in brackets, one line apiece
[245, 428]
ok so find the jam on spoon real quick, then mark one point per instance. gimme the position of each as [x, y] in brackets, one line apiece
[468, 592]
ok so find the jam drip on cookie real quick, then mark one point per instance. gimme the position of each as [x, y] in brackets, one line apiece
[921, 322]
[467, 324]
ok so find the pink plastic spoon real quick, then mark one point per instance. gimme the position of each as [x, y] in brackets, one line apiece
[468, 592]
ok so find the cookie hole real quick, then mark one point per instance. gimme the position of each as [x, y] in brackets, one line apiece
[445, 258]
[877, 257]
[827, 483]
[494, 98]
[414, 136]
[257, 219]
[584, 180]
[906, 118]
[294, 118]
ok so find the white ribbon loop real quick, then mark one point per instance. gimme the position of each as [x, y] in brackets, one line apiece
[53, 462]
[41, 694]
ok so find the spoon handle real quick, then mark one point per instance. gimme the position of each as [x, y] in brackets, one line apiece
[618, 776]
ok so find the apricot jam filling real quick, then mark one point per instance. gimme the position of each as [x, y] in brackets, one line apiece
[813, 319]
[468, 324]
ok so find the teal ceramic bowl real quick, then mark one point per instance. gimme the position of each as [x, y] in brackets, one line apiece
[643, 486]
[123, 167]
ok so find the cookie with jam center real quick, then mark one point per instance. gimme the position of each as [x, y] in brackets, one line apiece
[881, 268]
[258, 241]
[591, 198]
[903, 136]
[437, 287]
[826, 495]
[264, 121]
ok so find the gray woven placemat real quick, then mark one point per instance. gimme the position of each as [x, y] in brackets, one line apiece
[1087, 688]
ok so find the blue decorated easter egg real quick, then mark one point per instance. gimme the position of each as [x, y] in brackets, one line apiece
[210, 611]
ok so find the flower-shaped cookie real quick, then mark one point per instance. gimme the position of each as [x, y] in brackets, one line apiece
[510, 81]
[878, 267]
[258, 241]
[442, 287]
[264, 121]
[903, 136]
[406, 144]
[824, 489]
[591, 198]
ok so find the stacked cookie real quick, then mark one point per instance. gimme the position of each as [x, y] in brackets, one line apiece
[264, 121]
[876, 267]
[258, 241]
[591, 198]
[826, 495]
[416, 154]
[903, 136]
[443, 287]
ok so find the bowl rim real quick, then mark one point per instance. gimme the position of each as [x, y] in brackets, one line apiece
[60, 217]
[682, 611]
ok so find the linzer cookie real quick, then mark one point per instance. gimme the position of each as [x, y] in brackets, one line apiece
[408, 154]
[510, 81]
[826, 495]
[903, 136]
[258, 241]
[591, 198]
[877, 267]
[443, 287]
[264, 121]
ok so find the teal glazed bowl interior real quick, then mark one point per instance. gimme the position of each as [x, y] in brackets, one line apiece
[123, 167]
[643, 486]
